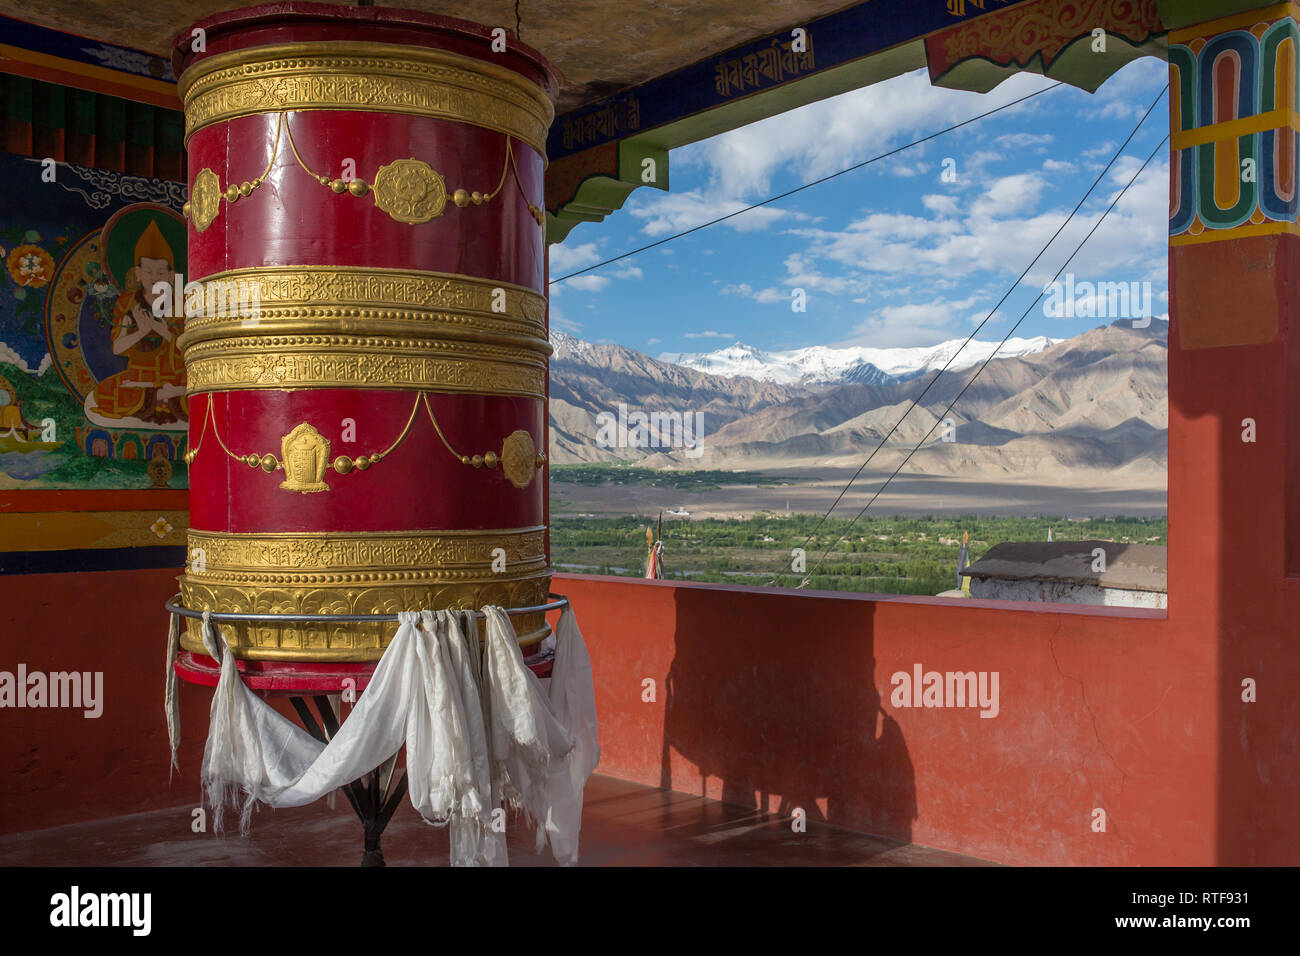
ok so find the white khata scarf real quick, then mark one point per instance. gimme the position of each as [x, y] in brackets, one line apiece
[479, 731]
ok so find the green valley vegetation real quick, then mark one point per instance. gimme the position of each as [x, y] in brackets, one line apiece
[882, 554]
[609, 473]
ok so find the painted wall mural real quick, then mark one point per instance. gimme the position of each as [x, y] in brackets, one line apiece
[92, 386]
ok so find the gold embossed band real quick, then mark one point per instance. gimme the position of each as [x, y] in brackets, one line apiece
[357, 573]
[323, 361]
[346, 299]
[339, 557]
[343, 75]
[347, 642]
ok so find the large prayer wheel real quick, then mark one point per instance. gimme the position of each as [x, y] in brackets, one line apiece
[366, 351]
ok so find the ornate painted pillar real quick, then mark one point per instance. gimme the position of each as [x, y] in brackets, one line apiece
[366, 343]
[1232, 178]
[1234, 401]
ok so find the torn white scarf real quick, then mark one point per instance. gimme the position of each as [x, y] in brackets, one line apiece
[466, 751]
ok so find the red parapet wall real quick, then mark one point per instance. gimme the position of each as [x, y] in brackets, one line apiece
[782, 699]
[779, 699]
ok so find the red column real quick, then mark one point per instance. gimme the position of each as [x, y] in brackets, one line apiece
[1234, 429]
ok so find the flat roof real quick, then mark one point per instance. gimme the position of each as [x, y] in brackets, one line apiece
[1134, 567]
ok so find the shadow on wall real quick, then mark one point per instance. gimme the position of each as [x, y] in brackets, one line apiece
[748, 702]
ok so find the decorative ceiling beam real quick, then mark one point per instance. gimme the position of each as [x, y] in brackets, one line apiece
[1080, 42]
[596, 152]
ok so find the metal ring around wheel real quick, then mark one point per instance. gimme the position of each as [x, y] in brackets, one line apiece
[174, 607]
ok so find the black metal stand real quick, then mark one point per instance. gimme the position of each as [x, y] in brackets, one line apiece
[375, 796]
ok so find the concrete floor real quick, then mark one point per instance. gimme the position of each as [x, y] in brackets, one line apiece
[624, 824]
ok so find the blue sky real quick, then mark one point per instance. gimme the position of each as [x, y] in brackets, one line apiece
[888, 255]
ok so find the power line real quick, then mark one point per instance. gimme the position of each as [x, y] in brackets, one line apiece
[986, 362]
[815, 182]
[916, 401]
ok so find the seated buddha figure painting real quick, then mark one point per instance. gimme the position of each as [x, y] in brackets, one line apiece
[92, 382]
[151, 389]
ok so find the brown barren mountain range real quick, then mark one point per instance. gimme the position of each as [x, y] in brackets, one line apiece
[1091, 407]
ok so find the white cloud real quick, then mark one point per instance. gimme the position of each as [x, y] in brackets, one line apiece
[13, 358]
[559, 321]
[1128, 93]
[675, 212]
[587, 283]
[1009, 194]
[708, 334]
[943, 205]
[1000, 236]
[652, 341]
[916, 323]
[1023, 140]
[830, 135]
[567, 258]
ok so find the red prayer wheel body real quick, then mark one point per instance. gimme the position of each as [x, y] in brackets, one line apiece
[365, 338]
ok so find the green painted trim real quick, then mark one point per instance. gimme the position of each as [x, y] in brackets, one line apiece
[17, 98]
[598, 196]
[110, 119]
[48, 105]
[1175, 14]
[140, 124]
[171, 131]
[82, 120]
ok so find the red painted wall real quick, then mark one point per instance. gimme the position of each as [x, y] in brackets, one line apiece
[774, 698]
[1230, 530]
[57, 766]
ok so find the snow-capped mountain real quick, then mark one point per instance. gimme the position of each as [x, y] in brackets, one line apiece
[823, 365]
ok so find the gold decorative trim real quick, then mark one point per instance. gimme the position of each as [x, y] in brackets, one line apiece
[351, 75]
[305, 453]
[205, 199]
[305, 457]
[338, 299]
[348, 642]
[63, 530]
[325, 361]
[410, 190]
[346, 555]
[519, 458]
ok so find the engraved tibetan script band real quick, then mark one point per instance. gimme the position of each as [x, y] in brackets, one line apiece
[344, 75]
[351, 327]
[357, 573]
[342, 557]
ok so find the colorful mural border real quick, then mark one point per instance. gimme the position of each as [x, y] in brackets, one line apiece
[1235, 132]
[53, 56]
[1051, 37]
